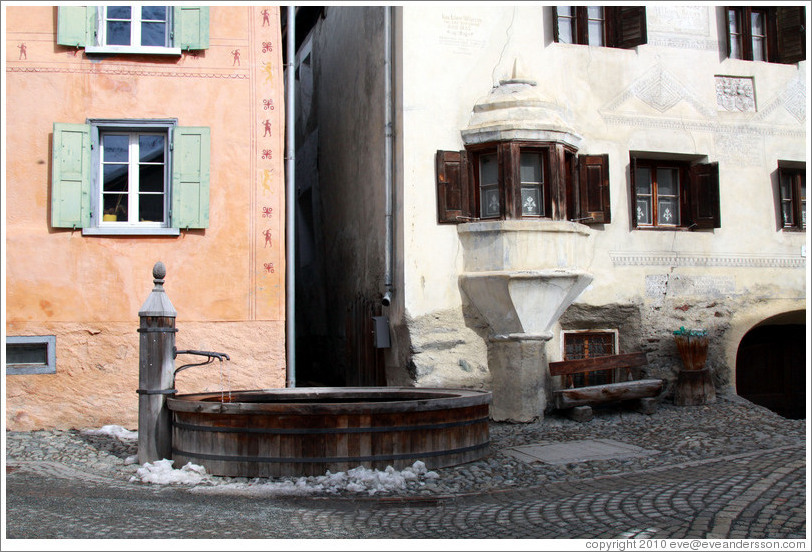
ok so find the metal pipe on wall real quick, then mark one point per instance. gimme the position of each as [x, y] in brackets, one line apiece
[290, 196]
[388, 157]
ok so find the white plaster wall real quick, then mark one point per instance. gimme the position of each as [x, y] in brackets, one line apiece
[618, 101]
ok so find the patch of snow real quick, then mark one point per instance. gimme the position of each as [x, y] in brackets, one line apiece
[161, 472]
[116, 431]
[356, 480]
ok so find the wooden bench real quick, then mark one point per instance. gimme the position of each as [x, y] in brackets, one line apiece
[579, 400]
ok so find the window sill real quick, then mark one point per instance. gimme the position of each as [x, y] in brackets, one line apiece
[131, 231]
[137, 50]
[29, 369]
[669, 228]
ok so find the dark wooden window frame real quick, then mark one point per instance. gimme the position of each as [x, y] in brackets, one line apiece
[584, 336]
[623, 26]
[575, 187]
[784, 28]
[797, 176]
[699, 194]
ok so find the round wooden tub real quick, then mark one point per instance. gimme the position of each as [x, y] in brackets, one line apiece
[307, 431]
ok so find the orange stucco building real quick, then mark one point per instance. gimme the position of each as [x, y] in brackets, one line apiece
[133, 137]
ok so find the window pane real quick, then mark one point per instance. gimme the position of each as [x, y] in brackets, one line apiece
[667, 183]
[118, 33]
[530, 167]
[735, 34]
[643, 210]
[151, 178]
[115, 207]
[27, 353]
[151, 148]
[488, 169]
[786, 213]
[757, 23]
[489, 202]
[118, 12]
[154, 13]
[115, 178]
[596, 33]
[151, 207]
[642, 180]
[116, 148]
[595, 25]
[531, 201]
[565, 24]
[153, 34]
[667, 211]
[758, 49]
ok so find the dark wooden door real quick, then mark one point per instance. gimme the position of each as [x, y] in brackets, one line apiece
[771, 369]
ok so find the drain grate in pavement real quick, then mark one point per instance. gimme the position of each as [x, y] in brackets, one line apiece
[577, 451]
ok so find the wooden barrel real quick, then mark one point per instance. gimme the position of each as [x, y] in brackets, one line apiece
[307, 431]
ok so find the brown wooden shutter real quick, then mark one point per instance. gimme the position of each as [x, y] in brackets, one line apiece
[555, 23]
[452, 187]
[626, 26]
[704, 195]
[791, 40]
[633, 190]
[593, 191]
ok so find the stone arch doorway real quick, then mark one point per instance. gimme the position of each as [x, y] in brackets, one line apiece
[771, 365]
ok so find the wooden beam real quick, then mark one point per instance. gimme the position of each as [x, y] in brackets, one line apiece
[608, 362]
[610, 392]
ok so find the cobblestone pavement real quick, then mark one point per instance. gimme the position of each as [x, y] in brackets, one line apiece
[730, 489]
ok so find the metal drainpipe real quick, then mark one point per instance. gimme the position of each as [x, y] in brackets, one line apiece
[290, 219]
[388, 158]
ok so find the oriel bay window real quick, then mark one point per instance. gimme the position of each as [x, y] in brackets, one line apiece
[674, 194]
[521, 180]
[775, 33]
[130, 177]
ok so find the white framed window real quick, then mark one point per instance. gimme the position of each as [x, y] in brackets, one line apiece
[134, 28]
[30, 355]
[130, 177]
[133, 176]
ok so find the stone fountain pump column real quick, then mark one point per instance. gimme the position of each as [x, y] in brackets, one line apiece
[156, 371]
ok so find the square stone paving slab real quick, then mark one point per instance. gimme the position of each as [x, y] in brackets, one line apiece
[577, 451]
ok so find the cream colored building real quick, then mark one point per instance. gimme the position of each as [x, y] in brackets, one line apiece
[613, 187]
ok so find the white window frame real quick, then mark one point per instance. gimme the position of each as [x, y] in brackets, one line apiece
[101, 46]
[49, 341]
[133, 128]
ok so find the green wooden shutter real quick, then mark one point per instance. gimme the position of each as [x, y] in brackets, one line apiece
[190, 177]
[190, 29]
[70, 180]
[76, 26]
